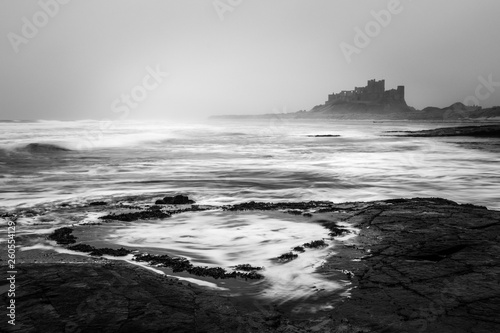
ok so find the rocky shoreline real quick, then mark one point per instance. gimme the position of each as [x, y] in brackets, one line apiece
[480, 131]
[456, 112]
[416, 265]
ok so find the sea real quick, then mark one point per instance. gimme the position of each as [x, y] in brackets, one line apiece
[52, 164]
[229, 162]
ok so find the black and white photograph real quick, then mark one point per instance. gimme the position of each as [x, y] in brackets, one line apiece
[247, 166]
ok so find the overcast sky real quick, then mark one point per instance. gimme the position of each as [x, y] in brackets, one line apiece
[95, 59]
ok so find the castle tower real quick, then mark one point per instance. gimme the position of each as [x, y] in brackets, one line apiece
[401, 93]
[381, 86]
[374, 92]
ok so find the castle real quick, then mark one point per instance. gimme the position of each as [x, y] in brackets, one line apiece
[373, 93]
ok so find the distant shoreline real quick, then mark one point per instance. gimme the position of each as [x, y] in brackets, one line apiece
[454, 113]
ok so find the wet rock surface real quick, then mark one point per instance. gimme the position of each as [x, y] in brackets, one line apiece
[428, 265]
[247, 268]
[315, 244]
[115, 297]
[175, 200]
[488, 131]
[62, 236]
[98, 203]
[134, 216]
[99, 251]
[295, 207]
[417, 265]
[286, 257]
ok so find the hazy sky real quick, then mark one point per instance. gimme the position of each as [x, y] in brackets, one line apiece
[93, 59]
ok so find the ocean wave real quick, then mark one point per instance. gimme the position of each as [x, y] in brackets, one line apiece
[43, 148]
[17, 121]
[119, 140]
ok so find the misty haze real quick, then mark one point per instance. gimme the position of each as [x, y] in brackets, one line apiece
[250, 166]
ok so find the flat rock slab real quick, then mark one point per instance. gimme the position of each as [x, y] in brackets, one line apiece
[492, 131]
[417, 265]
[116, 297]
[429, 265]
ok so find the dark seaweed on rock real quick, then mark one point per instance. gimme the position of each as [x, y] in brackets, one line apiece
[336, 231]
[128, 217]
[99, 252]
[183, 265]
[63, 236]
[299, 249]
[324, 136]
[175, 200]
[81, 248]
[252, 205]
[285, 257]
[127, 206]
[192, 208]
[7, 215]
[98, 203]
[315, 244]
[112, 252]
[247, 267]
[177, 264]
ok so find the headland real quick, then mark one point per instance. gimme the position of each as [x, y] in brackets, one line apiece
[374, 102]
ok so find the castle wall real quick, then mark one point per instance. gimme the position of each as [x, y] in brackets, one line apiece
[373, 92]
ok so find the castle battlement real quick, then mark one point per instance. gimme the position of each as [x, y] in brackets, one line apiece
[373, 92]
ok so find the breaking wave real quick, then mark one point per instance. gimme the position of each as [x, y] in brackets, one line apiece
[43, 148]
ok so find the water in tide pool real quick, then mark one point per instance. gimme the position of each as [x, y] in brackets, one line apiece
[51, 163]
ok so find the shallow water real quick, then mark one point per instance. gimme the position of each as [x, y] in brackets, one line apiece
[212, 238]
[228, 239]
